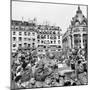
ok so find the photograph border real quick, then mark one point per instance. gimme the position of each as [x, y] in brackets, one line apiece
[54, 3]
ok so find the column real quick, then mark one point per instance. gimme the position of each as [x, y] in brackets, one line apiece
[81, 40]
[69, 41]
[73, 41]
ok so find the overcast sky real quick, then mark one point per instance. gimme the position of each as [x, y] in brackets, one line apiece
[55, 14]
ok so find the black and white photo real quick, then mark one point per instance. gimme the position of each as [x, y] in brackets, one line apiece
[49, 44]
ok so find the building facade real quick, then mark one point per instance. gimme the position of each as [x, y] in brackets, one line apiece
[49, 37]
[76, 35]
[23, 35]
[66, 39]
[29, 34]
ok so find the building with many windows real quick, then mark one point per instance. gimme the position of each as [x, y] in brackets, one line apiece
[76, 35]
[23, 34]
[49, 37]
[29, 34]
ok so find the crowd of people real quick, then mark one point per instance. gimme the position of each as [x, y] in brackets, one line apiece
[29, 70]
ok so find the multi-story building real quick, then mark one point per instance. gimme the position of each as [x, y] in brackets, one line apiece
[23, 34]
[32, 35]
[76, 35]
[49, 37]
[66, 39]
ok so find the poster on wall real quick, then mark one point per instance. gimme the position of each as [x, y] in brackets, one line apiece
[48, 44]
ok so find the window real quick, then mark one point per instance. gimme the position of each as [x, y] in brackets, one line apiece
[48, 36]
[20, 33]
[20, 38]
[38, 45]
[84, 29]
[29, 39]
[44, 46]
[58, 32]
[33, 39]
[25, 44]
[25, 33]
[41, 41]
[38, 50]
[54, 32]
[14, 49]
[58, 37]
[59, 46]
[50, 32]
[59, 49]
[33, 33]
[75, 41]
[16, 27]
[28, 45]
[20, 45]
[14, 45]
[51, 41]
[47, 41]
[38, 41]
[59, 41]
[54, 37]
[28, 33]
[54, 41]
[14, 38]
[51, 37]
[33, 44]
[25, 39]
[14, 33]
[38, 36]
[44, 36]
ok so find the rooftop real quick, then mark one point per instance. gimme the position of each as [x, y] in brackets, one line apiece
[79, 19]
